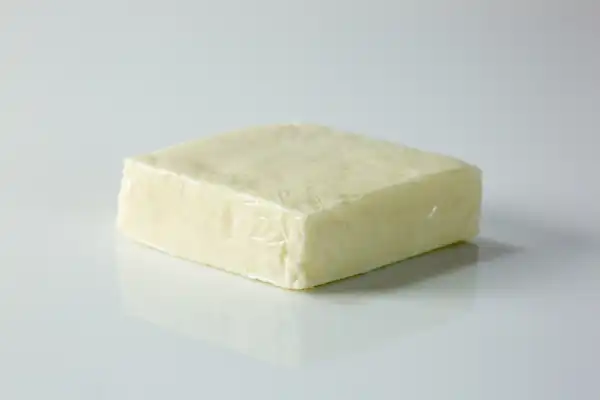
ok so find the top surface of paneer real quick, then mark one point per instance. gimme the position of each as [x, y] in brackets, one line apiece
[306, 168]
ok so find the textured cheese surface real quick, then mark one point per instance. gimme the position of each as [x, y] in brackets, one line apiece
[297, 205]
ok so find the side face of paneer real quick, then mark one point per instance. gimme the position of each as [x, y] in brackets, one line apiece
[297, 205]
[392, 224]
[211, 224]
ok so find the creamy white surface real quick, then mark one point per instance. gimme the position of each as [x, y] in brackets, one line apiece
[301, 167]
[297, 205]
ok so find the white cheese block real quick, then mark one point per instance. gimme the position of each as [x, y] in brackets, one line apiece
[297, 205]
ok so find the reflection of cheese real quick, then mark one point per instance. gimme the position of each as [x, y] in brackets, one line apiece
[295, 328]
[297, 205]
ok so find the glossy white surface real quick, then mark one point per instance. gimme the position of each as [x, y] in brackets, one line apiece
[509, 86]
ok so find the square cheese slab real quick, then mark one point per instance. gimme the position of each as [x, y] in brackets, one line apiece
[297, 205]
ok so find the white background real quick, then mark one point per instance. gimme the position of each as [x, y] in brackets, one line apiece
[513, 86]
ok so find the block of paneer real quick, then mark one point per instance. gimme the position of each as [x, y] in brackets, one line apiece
[297, 205]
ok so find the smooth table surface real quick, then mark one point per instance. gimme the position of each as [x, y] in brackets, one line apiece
[86, 314]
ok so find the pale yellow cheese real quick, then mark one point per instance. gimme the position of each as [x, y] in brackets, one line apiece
[297, 205]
